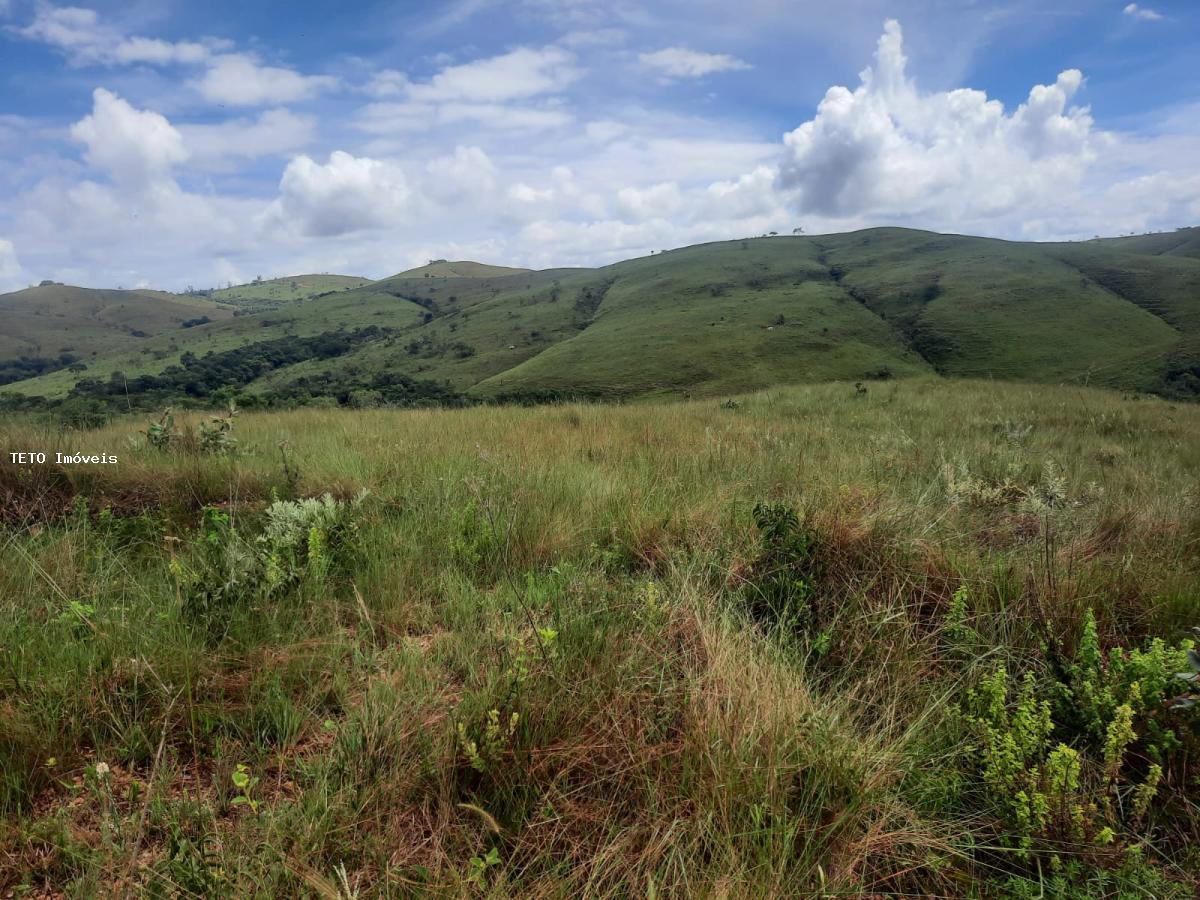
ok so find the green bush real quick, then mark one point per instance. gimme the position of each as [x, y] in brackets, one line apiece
[781, 584]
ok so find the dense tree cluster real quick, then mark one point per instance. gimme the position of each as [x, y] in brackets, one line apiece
[201, 376]
[366, 390]
[32, 366]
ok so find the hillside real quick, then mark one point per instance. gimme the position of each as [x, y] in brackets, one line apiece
[710, 319]
[54, 325]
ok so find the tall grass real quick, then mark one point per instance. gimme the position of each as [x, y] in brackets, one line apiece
[538, 664]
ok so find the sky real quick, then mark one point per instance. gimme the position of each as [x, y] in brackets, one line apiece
[172, 144]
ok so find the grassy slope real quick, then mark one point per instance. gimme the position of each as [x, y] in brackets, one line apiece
[975, 307]
[46, 321]
[665, 742]
[706, 318]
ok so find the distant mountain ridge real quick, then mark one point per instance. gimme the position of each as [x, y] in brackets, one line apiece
[709, 319]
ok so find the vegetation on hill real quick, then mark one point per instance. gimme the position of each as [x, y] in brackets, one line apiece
[921, 640]
[720, 318]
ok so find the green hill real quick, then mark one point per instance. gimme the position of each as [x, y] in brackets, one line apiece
[710, 319]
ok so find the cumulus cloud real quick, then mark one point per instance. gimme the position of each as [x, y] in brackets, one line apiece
[11, 274]
[680, 62]
[238, 79]
[135, 147]
[345, 195]
[506, 158]
[1142, 12]
[662, 200]
[888, 150]
[85, 40]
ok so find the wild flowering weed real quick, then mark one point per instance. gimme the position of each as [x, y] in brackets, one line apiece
[1054, 755]
[489, 742]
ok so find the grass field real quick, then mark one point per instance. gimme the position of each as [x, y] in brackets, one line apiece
[808, 642]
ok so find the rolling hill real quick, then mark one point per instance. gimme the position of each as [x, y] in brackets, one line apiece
[710, 319]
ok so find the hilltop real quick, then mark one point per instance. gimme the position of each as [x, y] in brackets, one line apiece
[442, 268]
[711, 319]
[290, 288]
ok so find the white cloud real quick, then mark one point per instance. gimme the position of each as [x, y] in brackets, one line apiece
[12, 276]
[680, 62]
[468, 174]
[388, 118]
[387, 83]
[237, 79]
[521, 73]
[274, 132]
[887, 150]
[86, 40]
[1142, 12]
[345, 195]
[513, 92]
[153, 50]
[603, 130]
[594, 37]
[135, 147]
[663, 200]
[526, 194]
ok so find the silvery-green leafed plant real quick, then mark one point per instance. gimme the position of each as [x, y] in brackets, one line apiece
[1192, 679]
[161, 435]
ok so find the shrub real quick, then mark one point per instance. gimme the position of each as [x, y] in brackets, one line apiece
[216, 435]
[162, 434]
[780, 586]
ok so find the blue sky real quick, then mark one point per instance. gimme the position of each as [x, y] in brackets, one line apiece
[171, 143]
